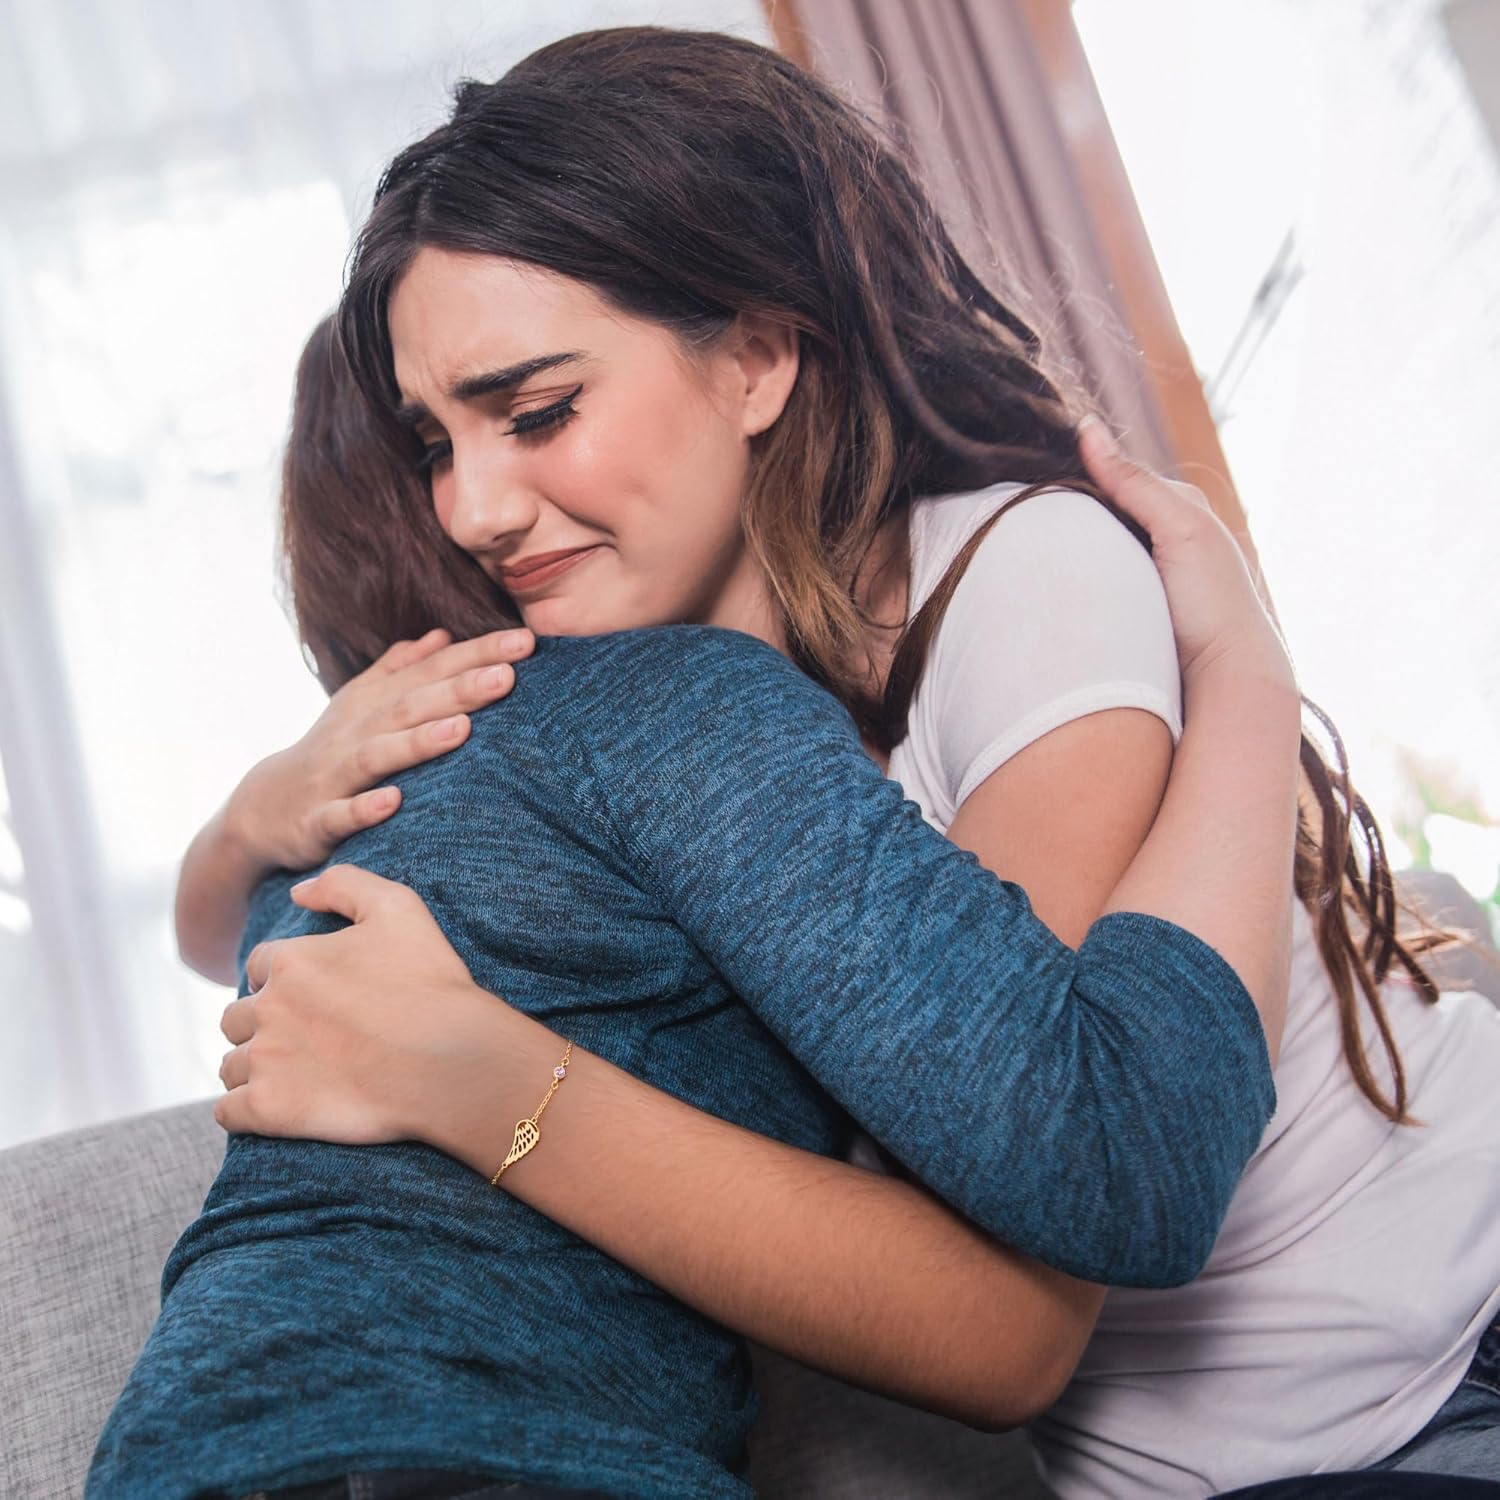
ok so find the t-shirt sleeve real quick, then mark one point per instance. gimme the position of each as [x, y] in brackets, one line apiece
[1093, 1108]
[1059, 614]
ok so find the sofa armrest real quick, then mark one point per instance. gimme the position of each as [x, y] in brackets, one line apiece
[86, 1221]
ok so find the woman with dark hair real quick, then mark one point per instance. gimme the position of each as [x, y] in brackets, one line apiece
[702, 353]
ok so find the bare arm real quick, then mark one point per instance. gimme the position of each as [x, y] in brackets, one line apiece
[1234, 785]
[217, 875]
[892, 1289]
[1241, 904]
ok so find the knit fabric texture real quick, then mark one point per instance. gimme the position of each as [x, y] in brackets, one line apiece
[670, 846]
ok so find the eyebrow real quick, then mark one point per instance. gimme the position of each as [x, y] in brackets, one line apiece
[488, 383]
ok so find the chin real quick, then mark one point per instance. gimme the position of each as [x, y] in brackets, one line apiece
[582, 613]
[568, 617]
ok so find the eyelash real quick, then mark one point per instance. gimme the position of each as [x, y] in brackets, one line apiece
[528, 422]
[525, 424]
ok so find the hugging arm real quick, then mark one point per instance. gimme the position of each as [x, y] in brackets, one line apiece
[291, 810]
[891, 1289]
[1093, 1108]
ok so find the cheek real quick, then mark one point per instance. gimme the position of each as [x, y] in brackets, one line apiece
[673, 461]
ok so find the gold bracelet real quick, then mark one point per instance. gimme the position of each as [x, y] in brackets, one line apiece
[527, 1134]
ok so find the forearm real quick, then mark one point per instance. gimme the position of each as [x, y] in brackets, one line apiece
[860, 1274]
[1218, 859]
[218, 874]
[1101, 1104]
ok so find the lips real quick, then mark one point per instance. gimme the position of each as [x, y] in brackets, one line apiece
[533, 572]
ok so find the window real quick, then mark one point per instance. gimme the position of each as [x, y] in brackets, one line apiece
[1324, 202]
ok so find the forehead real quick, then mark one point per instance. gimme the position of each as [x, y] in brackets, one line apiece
[455, 315]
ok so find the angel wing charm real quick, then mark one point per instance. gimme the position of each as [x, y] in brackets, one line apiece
[527, 1135]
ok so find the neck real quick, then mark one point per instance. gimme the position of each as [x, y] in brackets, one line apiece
[744, 602]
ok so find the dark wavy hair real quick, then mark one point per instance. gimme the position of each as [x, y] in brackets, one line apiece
[689, 178]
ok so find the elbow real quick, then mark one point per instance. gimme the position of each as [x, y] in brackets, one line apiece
[1177, 1265]
[1167, 1229]
[1194, 1241]
[1014, 1392]
[200, 957]
[997, 1403]
[1019, 1357]
[1168, 1174]
[1005, 1409]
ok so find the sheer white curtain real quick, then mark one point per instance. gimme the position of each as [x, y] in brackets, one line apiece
[177, 188]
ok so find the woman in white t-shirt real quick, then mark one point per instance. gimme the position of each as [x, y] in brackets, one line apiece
[1355, 1272]
[1019, 679]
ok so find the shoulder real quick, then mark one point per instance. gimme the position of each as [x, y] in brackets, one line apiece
[631, 692]
[1059, 613]
[1055, 556]
[1062, 532]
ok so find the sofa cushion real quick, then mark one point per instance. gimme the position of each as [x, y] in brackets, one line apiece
[819, 1439]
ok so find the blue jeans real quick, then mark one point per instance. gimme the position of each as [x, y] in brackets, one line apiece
[1452, 1456]
[418, 1484]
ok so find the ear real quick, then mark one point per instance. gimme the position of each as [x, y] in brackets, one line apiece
[766, 360]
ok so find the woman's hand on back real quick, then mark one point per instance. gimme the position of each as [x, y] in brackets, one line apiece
[376, 1032]
[1218, 617]
[295, 807]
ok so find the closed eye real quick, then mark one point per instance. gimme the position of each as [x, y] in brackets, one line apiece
[527, 422]
[433, 455]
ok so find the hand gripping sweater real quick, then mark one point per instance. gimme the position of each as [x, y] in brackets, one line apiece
[670, 846]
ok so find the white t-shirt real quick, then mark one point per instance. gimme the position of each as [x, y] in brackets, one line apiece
[1360, 1262]
[1059, 614]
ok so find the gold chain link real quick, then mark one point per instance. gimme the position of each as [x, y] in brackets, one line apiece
[527, 1134]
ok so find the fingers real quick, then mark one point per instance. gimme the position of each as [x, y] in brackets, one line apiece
[443, 657]
[1160, 505]
[347, 891]
[240, 1113]
[499, 646]
[347, 816]
[232, 1111]
[455, 693]
[258, 965]
[238, 1021]
[1097, 444]
[234, 1070]
[427, 717]
[405, 653]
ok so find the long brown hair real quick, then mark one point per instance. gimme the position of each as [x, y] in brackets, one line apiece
[691, 177]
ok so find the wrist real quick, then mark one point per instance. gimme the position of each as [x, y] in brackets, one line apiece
[1257, 670]
[1248, 710]
[480, 1080]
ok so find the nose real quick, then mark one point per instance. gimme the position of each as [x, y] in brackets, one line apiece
[491, 502]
